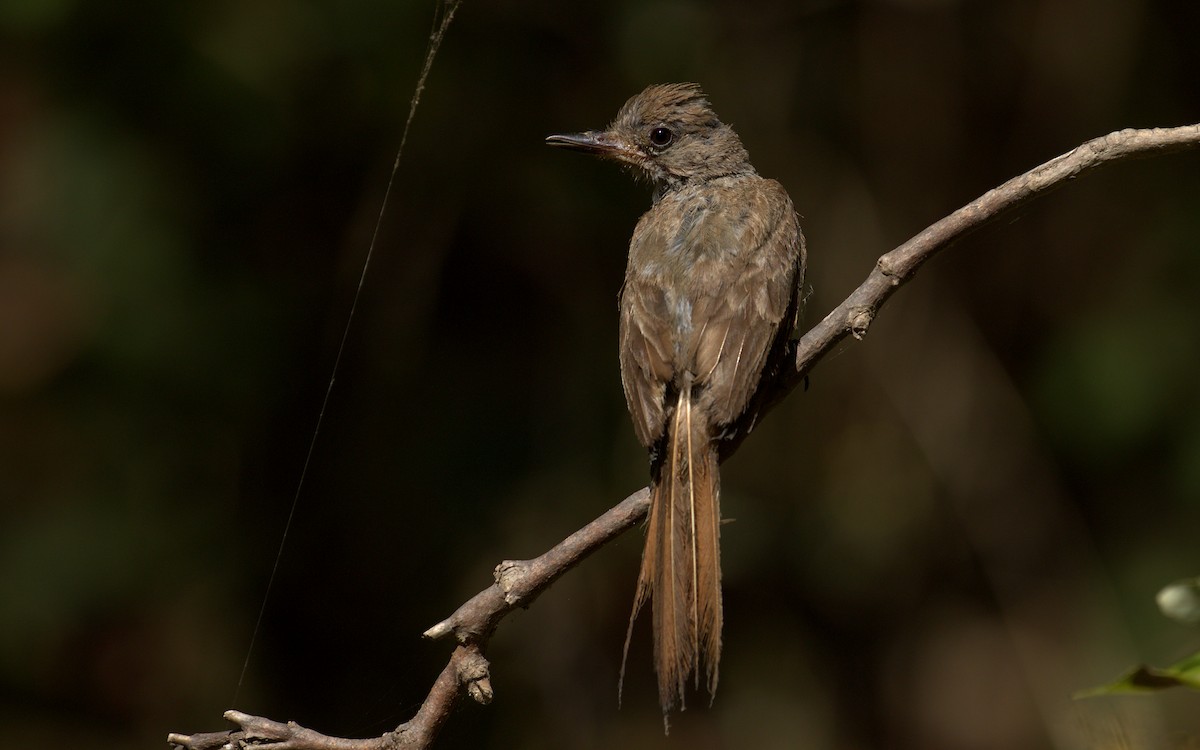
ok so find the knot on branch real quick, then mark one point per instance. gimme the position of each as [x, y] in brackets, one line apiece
[859, 320]
[516, 584]
[890, 268]
[474, 674]
[511, 577]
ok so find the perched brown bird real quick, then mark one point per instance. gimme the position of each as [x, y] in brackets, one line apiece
[710, 299]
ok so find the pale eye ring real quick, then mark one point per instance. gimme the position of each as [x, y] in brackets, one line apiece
[661, 137]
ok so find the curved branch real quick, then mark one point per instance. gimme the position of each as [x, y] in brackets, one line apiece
[518, 583]
[854, 315]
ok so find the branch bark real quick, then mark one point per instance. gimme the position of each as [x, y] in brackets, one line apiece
[519, 582]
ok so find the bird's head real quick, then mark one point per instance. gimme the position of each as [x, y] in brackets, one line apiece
[670, 133]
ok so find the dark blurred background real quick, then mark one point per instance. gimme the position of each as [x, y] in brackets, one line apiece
[962, 521]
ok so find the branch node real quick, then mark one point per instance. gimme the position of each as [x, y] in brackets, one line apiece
[859, 320]
[510, 576]
[889, 268]
[474, 674]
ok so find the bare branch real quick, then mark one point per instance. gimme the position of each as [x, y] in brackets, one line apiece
[518, 583]
[467, 669]
[854, 315]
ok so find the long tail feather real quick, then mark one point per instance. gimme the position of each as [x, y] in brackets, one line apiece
[681, 563]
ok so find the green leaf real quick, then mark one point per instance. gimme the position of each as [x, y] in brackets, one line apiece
[1184, 673]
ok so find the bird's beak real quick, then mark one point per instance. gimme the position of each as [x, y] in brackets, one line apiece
[598, 142]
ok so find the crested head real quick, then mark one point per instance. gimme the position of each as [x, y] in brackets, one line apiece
[670, 132]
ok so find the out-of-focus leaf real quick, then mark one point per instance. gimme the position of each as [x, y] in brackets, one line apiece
[1184, 673]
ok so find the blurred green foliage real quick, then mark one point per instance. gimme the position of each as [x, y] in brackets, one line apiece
[1179, 601]
[1185, 673]
[962, 522]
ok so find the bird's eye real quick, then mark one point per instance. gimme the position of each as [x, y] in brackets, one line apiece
[661, 137]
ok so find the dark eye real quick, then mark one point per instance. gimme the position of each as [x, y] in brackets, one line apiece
[661, 137]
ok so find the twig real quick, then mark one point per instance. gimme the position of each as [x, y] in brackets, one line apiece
[519, 582]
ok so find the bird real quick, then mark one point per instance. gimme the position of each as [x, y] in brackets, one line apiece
[711, 297]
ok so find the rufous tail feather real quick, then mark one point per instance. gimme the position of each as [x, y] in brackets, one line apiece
[681, 563]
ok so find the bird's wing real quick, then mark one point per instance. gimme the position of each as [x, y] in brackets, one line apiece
[646, 356]
[748, 285]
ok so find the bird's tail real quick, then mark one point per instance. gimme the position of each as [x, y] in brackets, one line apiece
[681, 564]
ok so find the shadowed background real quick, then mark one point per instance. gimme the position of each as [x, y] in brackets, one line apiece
[962, 521]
